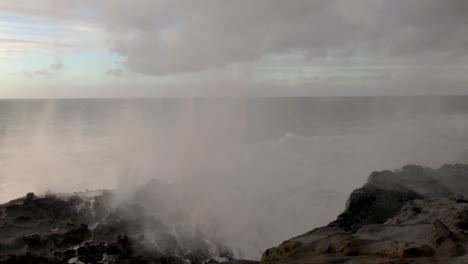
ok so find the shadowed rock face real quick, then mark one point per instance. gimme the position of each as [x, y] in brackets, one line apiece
[386, 192]
[71, 229]
[371, 205]
[412, 215]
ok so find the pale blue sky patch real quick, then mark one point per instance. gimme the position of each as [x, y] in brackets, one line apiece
[19, 19]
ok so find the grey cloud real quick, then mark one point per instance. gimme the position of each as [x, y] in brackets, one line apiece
[38, 73]
[50, 9]
[216, 33]
[57, 66]
[28, 74]
[185, 36]
[43, 73]
[158, 37]
[416, 27]
[53, 69]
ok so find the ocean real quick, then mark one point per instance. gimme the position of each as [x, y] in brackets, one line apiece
[252, 170]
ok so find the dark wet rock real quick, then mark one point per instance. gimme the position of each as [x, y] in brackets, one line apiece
[26, 259]
[32, 241]
[22, 219]
[29, 197]
[92, 252]
[372, 205]
[75, 236]
[412, 215]
[82, 229]
[417, 251]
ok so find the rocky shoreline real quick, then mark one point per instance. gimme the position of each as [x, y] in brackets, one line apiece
[70, 229]
[412, 215]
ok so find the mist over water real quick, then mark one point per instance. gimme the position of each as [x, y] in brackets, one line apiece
[246, 172]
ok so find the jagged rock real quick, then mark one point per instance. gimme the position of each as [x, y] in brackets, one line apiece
[372, 205]
[404, 216]
[87, 229]
[75, 236]
[416, 251]
[281, 251]
[386, 192]
[413, 215]
[350, 248]
[29, 197]
[91, 252]
[32, 241]
[442, 232]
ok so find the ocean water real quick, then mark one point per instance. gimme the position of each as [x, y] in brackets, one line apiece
[252, 171]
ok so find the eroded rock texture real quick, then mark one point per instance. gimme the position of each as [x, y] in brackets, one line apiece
[413, 215]
[73, 229]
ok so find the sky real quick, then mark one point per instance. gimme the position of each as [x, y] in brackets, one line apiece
[146, 48]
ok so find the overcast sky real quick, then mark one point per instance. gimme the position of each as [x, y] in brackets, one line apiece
[114, 48]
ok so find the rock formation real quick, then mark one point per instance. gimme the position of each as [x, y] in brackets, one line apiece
[86, 229]
[413, 215]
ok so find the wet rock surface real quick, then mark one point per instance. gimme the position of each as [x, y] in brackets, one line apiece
[70, 229]
[412, 215]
